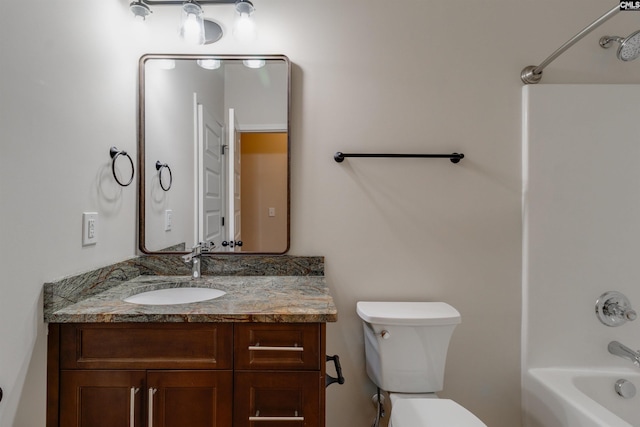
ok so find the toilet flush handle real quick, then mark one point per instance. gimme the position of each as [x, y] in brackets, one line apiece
[385, 334]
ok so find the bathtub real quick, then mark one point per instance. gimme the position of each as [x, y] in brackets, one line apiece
[555, 397]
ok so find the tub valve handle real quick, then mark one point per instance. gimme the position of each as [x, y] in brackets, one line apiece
[614, 309]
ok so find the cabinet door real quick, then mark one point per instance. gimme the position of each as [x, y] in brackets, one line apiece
[277, 399]
[101, 398]
[190, 398]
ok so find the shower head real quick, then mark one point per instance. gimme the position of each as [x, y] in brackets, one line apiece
[629, 47]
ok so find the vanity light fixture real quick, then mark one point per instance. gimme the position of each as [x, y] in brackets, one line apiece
[244, 7]
[139, 10]
[194, 27]
[192, 22]
[244, 27]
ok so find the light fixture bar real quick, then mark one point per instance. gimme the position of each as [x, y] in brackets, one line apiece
[169, 2]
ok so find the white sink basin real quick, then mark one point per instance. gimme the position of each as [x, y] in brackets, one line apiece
[174, 296]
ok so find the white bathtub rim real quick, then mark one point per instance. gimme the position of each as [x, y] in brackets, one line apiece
[560, 382]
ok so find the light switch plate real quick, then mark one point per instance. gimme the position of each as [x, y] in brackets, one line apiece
[89, 228]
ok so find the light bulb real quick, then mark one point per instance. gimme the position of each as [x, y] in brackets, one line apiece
[244, 28]
[192, 28]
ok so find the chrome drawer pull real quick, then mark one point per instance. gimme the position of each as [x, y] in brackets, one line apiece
[276, 418]
[152, 391]
[258, 347]
[259, 418]
[132, 406]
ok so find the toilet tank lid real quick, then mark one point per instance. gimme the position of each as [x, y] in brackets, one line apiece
[407, 313]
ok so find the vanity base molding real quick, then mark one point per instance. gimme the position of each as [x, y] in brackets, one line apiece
[195, 374]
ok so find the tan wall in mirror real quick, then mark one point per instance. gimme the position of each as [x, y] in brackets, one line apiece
[263, 186]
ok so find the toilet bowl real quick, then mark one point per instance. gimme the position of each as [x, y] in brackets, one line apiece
[406, 347]
[431, 413]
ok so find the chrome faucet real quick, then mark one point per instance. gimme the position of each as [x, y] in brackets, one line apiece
[625, 352]
[195, 257]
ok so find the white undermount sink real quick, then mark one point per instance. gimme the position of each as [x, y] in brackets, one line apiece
[174, 296]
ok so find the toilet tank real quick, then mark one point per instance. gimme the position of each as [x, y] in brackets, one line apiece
[406, 343]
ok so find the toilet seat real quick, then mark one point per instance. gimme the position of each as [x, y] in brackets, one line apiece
[431, 413]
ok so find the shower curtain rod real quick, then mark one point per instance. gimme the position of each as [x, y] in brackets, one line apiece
[533, 74]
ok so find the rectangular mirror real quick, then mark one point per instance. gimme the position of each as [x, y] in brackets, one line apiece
[213, 153]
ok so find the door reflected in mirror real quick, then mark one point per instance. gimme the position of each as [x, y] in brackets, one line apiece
[222, 128]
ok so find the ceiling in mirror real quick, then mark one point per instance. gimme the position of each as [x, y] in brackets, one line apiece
[213, 135]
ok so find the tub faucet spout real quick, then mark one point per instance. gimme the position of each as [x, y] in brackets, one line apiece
[621, 350]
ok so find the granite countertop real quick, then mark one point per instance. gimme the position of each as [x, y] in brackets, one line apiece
[247, 299]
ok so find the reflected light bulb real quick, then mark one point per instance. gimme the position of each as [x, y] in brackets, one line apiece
[254, 63]
[209, 64]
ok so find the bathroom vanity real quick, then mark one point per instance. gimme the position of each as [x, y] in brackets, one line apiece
[255, 354]
[195, 374]
[252, 357]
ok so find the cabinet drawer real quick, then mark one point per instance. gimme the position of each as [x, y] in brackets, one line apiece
[270, 346]
[148, 346]
[269, 399]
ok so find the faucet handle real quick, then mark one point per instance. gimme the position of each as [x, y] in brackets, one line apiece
[207, 246]
[614, 309]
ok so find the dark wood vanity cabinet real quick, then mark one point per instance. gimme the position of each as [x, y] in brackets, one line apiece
[110, 398]
[279, 375]
[186, 374]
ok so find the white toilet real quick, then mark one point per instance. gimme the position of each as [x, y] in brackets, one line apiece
[406, 347]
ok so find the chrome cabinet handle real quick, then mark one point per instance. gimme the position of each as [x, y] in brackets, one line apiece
[257, 417]
[132, 406]
[276, 418]
[258, 347]
[152, 391]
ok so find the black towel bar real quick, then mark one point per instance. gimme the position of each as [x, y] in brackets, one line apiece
[454, 157]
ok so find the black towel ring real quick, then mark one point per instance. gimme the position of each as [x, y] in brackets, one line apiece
[115, 153]
[159, 167]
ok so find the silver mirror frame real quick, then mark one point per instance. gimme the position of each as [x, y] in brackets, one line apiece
[141, 146]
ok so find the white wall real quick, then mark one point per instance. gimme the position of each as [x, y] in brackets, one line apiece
[582, 234]
[406, 75]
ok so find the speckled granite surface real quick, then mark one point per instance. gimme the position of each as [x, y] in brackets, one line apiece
[259, 289]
